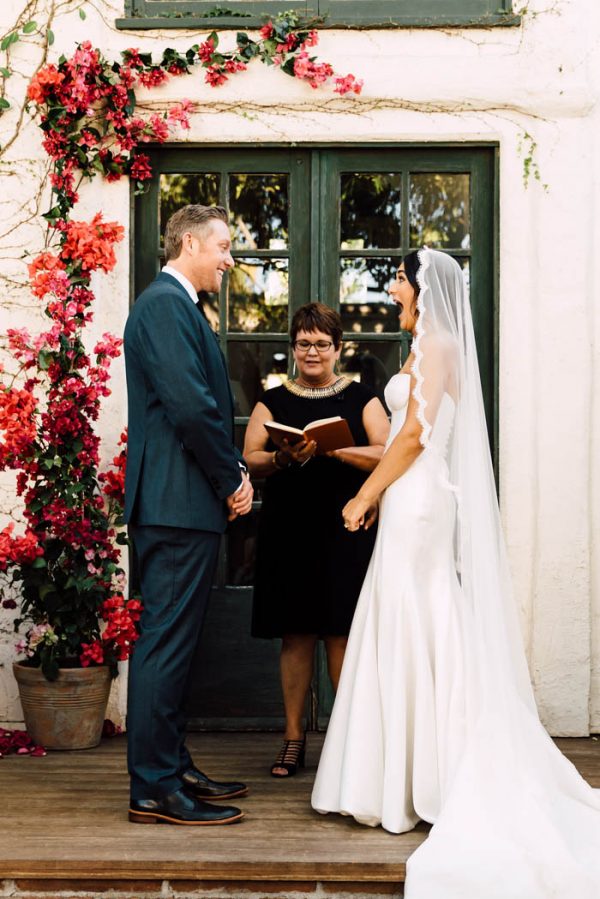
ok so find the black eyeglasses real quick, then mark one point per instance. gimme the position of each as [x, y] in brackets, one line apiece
[321, 346]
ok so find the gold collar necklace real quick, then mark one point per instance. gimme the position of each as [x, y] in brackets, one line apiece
[318, 392]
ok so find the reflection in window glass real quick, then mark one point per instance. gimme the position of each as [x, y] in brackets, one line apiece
[373, 363]
[465, 264]
[258, 296]
[439, 210]
[180, 190]
[370, 210]
[241, 550]
[255, 366]
[259, 211]
[365, 305]
[209, 303]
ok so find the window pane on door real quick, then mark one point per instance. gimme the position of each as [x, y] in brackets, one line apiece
[371, 362]
[255, 366]
[365, 305]
[241, 550]
[259, 211]
[370, 205]
[439, 211]
[181, 190]
[258, 296]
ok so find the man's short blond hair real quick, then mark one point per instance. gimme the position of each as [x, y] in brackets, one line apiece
[194, 218]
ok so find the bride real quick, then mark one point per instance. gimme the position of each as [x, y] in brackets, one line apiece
[434, 717]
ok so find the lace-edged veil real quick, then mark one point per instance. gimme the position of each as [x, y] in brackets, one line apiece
[445, 361]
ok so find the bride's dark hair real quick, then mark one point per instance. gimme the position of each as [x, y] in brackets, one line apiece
[412, 264]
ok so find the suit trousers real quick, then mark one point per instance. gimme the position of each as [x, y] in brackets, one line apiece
[176, 567]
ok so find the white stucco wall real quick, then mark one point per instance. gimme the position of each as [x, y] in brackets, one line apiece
[435, 86]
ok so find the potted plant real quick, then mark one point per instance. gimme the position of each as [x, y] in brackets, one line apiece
[63, 573]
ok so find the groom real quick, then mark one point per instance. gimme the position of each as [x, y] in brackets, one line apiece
[184, 480]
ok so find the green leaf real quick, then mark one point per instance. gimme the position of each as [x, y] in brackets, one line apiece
[29, 28]
[45, 357]
[50, 35]
[11, 38]
[6, 72]
[82, 14]
[4, 104]
[52, 215]
[40, 562]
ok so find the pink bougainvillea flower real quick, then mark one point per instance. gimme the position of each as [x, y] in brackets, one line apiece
[214, 76]
[140, 169]
[206, 50]
[267, 31]
[348, 84]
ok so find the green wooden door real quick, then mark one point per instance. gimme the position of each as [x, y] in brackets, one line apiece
[314, 223]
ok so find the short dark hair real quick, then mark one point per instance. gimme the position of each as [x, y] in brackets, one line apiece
[189, 218]
[412, 264]
[317, 317]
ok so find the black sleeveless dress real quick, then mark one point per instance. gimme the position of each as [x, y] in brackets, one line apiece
[309, 568]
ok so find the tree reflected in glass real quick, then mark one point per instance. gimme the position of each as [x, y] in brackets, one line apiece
[259, 211]
[439, 210]
[258, 296]
[370, 204]
[181, 190]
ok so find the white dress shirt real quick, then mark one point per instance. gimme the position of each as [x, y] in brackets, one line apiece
[169, 270]
[193, 295]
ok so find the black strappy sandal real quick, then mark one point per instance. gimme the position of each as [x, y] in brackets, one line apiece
[291, 757]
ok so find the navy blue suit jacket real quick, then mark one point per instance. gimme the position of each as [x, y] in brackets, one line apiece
[181, 460]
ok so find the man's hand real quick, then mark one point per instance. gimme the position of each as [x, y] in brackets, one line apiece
[240, 502]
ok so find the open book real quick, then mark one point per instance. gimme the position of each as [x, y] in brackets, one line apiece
[329, 433]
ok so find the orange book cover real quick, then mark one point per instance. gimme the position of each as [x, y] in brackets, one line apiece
[329, 433]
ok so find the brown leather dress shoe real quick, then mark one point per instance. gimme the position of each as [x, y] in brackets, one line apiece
[200, 786]
[181, 808]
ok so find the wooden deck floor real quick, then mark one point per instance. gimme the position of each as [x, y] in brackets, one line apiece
[64, 817]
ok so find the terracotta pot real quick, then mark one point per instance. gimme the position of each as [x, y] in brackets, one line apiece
[67, 713]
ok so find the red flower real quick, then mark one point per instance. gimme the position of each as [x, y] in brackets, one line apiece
[152, 77]
[140, 169]
[214, 76]
[160, 129]
[266, 32]
[17, 423]
[47, 273]
[91, 652]
[44, 83]
[18, 550]
[234, 65]
[206, 50]
[91, 243]
[290, 43]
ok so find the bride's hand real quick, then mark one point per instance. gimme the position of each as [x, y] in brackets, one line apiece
[371, 516]
[357, 512]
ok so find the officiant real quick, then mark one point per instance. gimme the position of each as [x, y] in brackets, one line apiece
[309, 569]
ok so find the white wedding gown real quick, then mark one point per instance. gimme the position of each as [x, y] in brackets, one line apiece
[513, 819]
